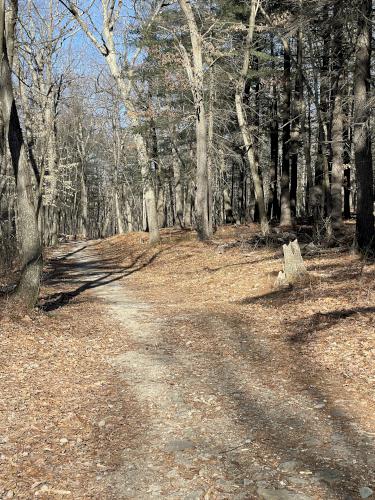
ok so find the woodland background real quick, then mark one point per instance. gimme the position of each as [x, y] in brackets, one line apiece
[141, 115]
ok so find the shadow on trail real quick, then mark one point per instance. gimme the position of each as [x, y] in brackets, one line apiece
[308, 328]
[81, 272]
[321, 287]
[268, 297]
[67, 255]
[293, 415]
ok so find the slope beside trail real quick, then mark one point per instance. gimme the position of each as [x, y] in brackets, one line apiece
[220, 387]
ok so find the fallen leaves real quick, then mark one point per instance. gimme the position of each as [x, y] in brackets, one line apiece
[64, 419]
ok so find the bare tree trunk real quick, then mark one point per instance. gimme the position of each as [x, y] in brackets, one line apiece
[323, 168]
[286, 215]
[119, 225]
[119, 222]
[148, 190]
[296, 125]
[161, 202]
[362, 135]
[347, 138]
[196, 76]
[273, 207]
[337, 125]
[129, 216]
[247, 136]
[318, 193]
[306, 137]
[84, 205]
[210, 148]
[27, 290]
[188, 205]
[51, 194]
[178, 188]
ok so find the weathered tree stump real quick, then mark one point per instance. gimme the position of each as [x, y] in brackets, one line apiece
[294, 268]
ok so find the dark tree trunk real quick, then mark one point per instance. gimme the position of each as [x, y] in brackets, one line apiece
[286, 218]
[274, 207]
[337, 122]
[296, 127]
[347, 172]
[362, 134]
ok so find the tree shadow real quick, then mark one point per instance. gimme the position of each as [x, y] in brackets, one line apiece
[283, 296]
[309, 328]
[69, 254]
[317, 285]
[266, 409]
[81, 272]
[243, 263]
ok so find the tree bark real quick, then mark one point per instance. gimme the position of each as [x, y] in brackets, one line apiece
[178, 188]
[347, 138]
[337, 124]
[295, 137]
[196, 77]
[286, 214]
[29, 238]
[274, 207]
[362, 135]
[247, 136]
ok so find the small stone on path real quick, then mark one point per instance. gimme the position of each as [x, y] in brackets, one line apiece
[328, 476]
[179, 445]
[290, 465]
[299, 481]
[195, 495]
[281, 494]
[365, 492]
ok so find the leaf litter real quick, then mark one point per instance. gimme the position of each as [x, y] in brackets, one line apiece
[291, 370]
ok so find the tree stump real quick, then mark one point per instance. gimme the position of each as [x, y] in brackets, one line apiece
[294, 267]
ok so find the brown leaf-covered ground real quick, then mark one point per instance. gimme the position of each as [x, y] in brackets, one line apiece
[268, 377]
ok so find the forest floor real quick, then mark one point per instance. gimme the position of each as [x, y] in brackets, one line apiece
[179, 372]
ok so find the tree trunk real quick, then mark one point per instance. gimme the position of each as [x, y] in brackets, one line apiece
[295, 137]
[337, 159]
[337, 121]
[188, 205]
[247, 136]
[29, 238]
[210, 149]
[129, 216]
[273, 207]
[196, 77]
[148, 190]
[140, 142]
[347, 137]
[178, 188]
[84, 205]
[362, 134]
[286, 215]
[306, 137]
[119, 223]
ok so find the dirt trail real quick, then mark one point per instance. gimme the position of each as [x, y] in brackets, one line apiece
[178, 451]
[223, 427]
